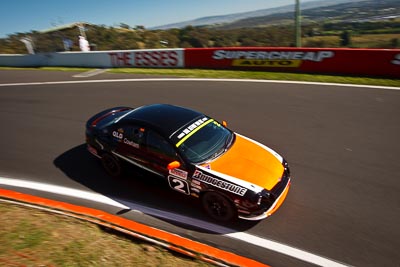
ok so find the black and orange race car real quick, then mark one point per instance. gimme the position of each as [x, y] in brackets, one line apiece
[231, 174]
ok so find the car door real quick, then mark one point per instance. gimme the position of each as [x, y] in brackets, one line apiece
[161, 153]
[131, 144]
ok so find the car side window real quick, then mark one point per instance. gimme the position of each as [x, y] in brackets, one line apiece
[159, 146]
[136, 134]
[130, 135]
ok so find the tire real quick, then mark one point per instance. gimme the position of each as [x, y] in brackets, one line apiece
[111, 165]
[218, 207]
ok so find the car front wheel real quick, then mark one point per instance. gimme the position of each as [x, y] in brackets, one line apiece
[218, 207]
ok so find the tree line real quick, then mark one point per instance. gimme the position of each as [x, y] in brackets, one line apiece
[124, 37]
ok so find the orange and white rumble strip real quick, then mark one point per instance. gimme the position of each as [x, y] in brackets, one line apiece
[162, 238]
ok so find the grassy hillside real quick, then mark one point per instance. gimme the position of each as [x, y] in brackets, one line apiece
[366, 24]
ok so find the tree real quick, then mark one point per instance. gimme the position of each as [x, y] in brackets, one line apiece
[345, 38]
[140, 28]
[124, 26]
[395, 42]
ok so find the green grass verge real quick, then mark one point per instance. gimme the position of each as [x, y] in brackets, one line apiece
[261, 75]
[235, 74]
[31, 237]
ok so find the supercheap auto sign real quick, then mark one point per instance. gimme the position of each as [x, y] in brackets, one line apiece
[311, 60]
[286, 59]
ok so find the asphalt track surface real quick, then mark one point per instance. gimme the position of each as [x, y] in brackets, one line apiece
[342, 144]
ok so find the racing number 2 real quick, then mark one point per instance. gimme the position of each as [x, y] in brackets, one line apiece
[179, 185]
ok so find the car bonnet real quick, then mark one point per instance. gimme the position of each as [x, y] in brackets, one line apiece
[250, 161]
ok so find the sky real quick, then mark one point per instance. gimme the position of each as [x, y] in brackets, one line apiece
[27, 15]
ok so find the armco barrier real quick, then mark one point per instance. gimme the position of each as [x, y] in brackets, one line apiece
[371, 62]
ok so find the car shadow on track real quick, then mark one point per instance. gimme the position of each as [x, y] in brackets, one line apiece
[137, 186]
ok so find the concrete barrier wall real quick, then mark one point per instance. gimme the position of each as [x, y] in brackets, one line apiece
[19, 60]
[154, 58]
[371, 62]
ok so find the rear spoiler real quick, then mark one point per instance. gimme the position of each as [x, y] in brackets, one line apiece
[92, 122]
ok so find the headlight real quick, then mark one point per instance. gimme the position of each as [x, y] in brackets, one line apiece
[265, 194]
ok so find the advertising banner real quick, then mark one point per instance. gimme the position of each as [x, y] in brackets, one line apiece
[358, 62]
[373, 62]
[151, 58]
[157, 58]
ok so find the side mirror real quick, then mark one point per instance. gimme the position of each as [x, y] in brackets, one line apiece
[224, 123]
[174, 165]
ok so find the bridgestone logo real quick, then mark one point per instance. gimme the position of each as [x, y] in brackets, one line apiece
[219, 183]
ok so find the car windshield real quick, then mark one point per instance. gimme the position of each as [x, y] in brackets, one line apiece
[209, 142]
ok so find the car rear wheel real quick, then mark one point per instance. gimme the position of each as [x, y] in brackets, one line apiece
[218, 207]
[112, 165]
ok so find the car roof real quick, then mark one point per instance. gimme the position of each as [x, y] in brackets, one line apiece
[165, 118]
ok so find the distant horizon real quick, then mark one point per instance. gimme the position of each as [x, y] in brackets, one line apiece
[23, 16]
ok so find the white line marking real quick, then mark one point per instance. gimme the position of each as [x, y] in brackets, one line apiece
[90, 73]
[285, 249]
[60, 190]
[199, 80]
[242, 236]
[245, 237]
